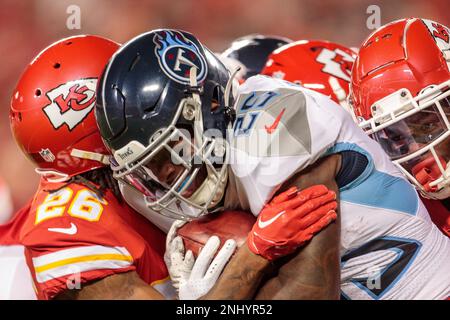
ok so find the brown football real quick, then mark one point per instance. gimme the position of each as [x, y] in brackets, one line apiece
[226, 225]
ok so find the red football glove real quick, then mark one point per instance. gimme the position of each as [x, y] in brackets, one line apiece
[291, 219]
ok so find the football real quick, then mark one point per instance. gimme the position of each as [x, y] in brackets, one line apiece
[226, 225]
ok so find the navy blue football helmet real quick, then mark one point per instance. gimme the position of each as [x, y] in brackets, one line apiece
[163, 109]
[252, 51]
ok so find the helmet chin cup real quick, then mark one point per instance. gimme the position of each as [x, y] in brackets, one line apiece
[428, 171]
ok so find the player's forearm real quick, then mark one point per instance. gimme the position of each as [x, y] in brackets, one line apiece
[125, 286]
[312, 274]
[241, 277]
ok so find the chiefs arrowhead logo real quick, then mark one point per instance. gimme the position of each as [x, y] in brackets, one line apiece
[440, 32]
[336, 63]
[71, 102]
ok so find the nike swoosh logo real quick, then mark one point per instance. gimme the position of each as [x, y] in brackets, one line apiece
[263, 224]
[270, 129]
[72, 230]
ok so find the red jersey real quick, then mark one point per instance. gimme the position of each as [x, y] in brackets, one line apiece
[72, 236]
[439, 214]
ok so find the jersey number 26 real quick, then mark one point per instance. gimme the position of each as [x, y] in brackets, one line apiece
[84, 205]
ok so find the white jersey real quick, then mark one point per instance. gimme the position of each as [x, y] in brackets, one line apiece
[390, 249]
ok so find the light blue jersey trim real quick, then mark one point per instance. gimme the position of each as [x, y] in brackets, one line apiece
[377, 189]
[381, 190]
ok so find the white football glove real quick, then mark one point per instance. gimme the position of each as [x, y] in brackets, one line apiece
[177, 263]
[177, 224]
[196, 282]
[194, 278]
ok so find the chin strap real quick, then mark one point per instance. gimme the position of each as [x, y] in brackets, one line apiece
[230, 112]
[52, 176]
[57, 177]
[102, 158]
[229, 87]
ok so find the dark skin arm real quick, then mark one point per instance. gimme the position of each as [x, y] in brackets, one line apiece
[314, 272]
[122, 286]
[241, 277]
[319, 260]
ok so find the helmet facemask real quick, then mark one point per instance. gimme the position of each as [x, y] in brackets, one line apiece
[182, 173]
[415, 133]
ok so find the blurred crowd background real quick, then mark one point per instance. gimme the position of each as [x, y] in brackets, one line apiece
[28, 26]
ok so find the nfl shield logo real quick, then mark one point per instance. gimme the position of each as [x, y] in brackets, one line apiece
[47, 155]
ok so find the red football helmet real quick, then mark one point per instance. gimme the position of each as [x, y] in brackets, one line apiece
[400, 94]
[52, 116]
[318, 65]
